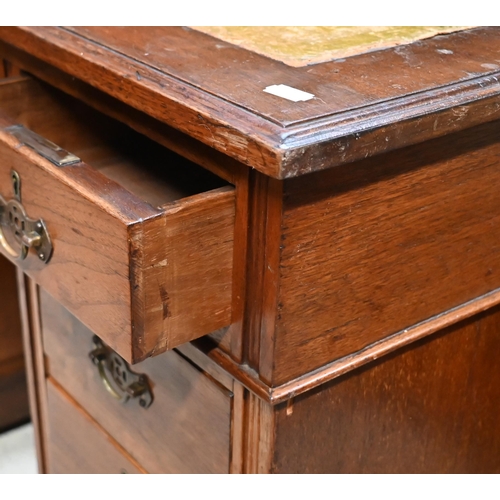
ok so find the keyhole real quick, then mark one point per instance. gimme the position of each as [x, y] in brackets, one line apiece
[16, 183]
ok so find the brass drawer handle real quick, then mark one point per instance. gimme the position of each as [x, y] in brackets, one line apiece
[117, 377]
[18, 232]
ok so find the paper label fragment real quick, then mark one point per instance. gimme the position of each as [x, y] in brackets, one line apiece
[289, 93]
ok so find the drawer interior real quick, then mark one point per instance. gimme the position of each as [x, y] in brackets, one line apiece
[139, 234]
[153, 173]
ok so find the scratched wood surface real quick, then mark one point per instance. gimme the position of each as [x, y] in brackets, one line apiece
[95, 222]
[395, 240]
[430, 408]
[213, 91]
[182, 265]
[304, 45]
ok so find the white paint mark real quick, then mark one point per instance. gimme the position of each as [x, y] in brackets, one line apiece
[490, 66]
[444, 51]
[289, 93]
[162, 263]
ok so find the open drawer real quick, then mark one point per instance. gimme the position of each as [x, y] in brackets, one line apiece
[133, 239]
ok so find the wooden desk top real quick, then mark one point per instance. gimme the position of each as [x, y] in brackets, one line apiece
[214, 91]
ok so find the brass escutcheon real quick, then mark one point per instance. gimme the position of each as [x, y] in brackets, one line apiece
[18, 232]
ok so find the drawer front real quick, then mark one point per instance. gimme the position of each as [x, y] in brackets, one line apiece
[77, 445]
[187, 427]
[134, 238]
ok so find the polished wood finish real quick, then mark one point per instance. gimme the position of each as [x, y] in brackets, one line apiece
[352, 312]
[77, 445]
[398, 239]
[140, 230]
[429, 408]
[349, 119]
[13, 387]
[186, 429]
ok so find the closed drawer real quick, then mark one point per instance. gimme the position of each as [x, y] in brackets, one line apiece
[77, 445]
[141, 239]
[187, 427]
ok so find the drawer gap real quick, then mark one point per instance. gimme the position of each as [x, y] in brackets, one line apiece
[148, 170]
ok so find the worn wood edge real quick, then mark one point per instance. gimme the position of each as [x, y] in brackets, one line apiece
[137, 248]
[354, 135]
[74, 177]
[279, 151]
[249, 378]
[231, 136]
[183, 203]
[62, 392]
[218, 163]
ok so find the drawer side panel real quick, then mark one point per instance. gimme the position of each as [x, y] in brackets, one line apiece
[394, 240]
[182, 272]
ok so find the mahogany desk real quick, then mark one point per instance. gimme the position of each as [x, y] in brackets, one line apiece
[215, 278]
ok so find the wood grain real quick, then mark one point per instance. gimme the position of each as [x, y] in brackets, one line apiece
[396, 240]
[77, 445]
[221, 165]
[182, 272]
[423, 90]
[274, 395]
[264, 218]
[259, 435]
[429, 408]
[187, 429]
[96, 224]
